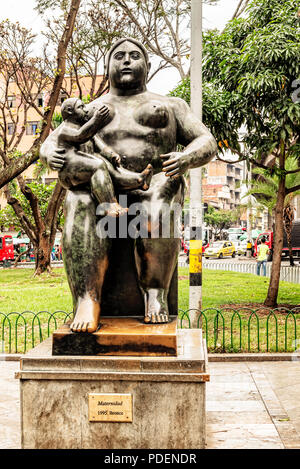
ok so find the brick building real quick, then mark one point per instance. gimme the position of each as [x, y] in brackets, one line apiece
[222, 185]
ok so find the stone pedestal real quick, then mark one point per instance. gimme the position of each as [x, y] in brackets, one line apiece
[165, 398]
[119, 336]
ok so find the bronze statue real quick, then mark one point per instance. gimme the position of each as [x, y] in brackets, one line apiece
[83, 168]
[142, 128]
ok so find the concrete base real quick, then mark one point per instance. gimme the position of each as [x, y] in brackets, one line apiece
[168, 395]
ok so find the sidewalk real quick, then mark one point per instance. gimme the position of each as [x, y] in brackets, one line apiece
[249, 405]
[253, 405]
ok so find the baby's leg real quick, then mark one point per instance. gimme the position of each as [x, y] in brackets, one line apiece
[81, 168]
[130, 180]
[103, 190]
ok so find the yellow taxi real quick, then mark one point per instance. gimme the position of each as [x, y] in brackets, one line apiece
[220, 249]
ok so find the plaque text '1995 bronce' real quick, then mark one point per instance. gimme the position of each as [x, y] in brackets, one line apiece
[110, 407]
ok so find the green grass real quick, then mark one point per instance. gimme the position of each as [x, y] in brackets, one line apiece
[246, 325]
[20, 292]
[222, 288]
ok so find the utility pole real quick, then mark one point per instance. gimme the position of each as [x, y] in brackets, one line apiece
[196, 209]
[249, 219]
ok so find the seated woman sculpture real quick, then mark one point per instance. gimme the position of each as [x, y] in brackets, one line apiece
[145, 128]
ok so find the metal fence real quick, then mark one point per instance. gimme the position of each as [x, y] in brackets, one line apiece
[226, 330]
[287, 273]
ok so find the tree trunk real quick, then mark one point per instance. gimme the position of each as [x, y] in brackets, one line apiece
[43, 254]
[288, 217]
[271, 299]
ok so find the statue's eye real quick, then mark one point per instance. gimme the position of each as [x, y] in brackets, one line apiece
[118, 55]
[135, 55]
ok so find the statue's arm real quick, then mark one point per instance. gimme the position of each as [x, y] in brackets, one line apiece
[200, 145]
[50, 153]
[88, 130]
[106, 151]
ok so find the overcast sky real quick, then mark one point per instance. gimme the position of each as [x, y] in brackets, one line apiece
[213, 17]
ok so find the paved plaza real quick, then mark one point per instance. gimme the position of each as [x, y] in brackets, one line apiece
[249, 405]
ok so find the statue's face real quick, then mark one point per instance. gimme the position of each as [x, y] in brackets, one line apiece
[80, 111]
[127, 66]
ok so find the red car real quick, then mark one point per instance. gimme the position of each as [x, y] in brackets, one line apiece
[6, 248]
[185, 244]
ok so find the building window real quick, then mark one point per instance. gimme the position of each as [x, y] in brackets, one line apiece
[31, 128]
[10, 129]
[63, 96]
[11, 101]
[40, 101]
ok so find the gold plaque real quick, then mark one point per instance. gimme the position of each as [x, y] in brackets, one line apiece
[110, 407]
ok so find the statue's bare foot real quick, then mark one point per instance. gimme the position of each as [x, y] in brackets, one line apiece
[146, 177]
[86, 317]
[156, 307]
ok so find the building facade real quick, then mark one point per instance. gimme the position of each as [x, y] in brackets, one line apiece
[222, 185]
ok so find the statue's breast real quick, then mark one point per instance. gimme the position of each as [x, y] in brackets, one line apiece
[152, 114]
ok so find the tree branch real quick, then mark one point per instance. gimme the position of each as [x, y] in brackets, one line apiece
[28, 227]
[292, 189]
[18, 166]
[33, 202]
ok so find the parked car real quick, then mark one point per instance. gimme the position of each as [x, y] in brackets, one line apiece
[220, 249]
[241, 248]
[6, 248]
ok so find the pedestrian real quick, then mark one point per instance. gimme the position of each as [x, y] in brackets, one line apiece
[249, 248]
[262, 256]
[56, 252]
[53, 254]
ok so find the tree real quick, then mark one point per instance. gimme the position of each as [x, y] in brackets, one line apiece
[219, 220]
[31, 76]
[49, 220]
[12, 50]
[264, 187]
[249, 71]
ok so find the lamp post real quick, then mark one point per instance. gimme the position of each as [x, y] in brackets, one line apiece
[196, 209]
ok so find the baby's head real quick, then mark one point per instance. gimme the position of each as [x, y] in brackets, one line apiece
[73, 109]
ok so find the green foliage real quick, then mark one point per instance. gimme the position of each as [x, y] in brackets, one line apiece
[220, 220]
[56, 119]
[264, 186]
[43, 5]
[248, 73]
[42, 191]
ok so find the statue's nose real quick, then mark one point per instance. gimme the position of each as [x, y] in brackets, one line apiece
[126, 59]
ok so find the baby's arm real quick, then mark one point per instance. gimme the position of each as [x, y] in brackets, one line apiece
[107, 152]
[88, 130]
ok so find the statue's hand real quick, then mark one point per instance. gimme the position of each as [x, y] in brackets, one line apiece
[57, 159]
[176, 164]
[102, 115]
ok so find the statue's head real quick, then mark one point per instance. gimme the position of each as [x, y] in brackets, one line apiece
[74, 109]
[127, 64]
